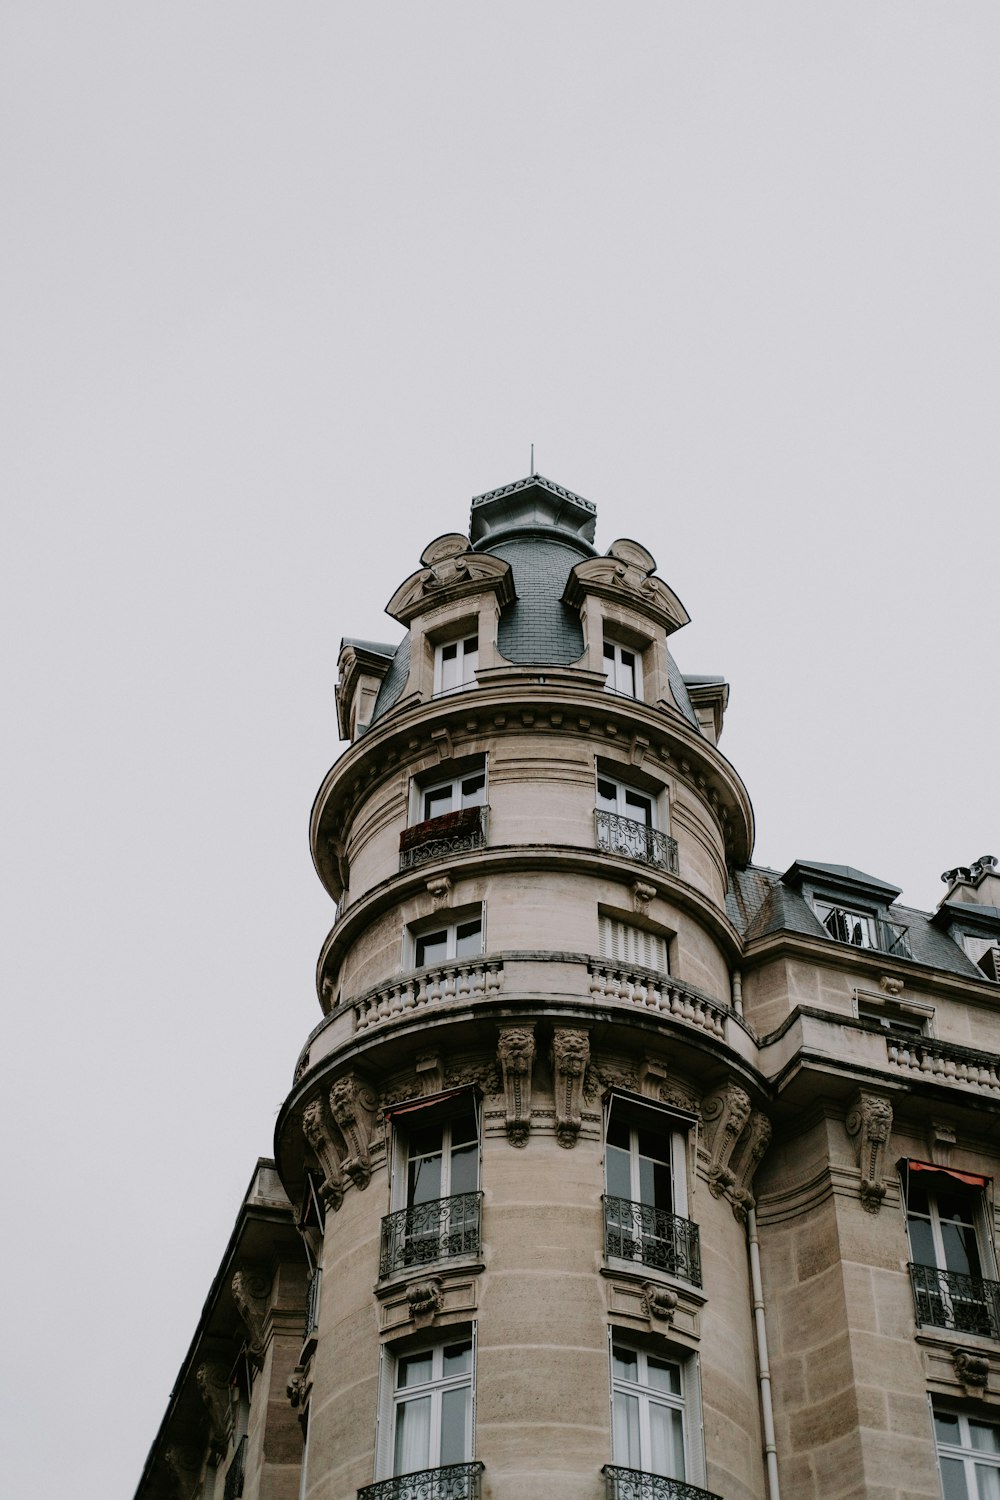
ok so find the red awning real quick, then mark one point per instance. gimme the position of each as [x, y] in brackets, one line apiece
[408, 1106]
[971, 1179]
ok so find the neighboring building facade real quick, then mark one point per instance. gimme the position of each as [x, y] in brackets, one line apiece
[617, 1166]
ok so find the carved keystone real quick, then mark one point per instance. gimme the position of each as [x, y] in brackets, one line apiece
[425, 1298]
[515, 1054]
[318, 1132]
[973, 1370]
[726, 1112]
[570, 1054]
[869, 1123]
[352, 1104]
[658, 1302]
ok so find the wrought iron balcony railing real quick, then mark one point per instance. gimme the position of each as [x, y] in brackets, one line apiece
[452, 1482]
[236, 1472]
[634, 840]
[312, 1304]
[429, 1232]
[640, 1232]
[436, 838]
[947, 1299]
[636, 1484]
[861, 931]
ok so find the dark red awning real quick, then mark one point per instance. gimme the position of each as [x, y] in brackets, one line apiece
[971, 1179]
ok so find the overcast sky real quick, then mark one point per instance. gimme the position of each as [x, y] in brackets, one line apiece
[284, 286]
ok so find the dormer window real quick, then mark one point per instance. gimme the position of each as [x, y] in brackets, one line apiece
[624, 669]
[455, 664]
[863, 929]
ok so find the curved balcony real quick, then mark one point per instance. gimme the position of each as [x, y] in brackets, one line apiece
[440, 838]
[634, 840]
[636, 1484]
[451, 1482]
[429, 1232]
[652, 1237]
[947, 1299]
[657, 992]
[460, 980]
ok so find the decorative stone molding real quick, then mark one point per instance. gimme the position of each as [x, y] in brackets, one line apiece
[972, 1370]
[869, 1123]
[429, 1069]
[659, 1303]
[185, 1465]
[652, 1077]
[353, 1103]
[726, 1113]
[626, 575]
[570, 1054]
[318, 1132]
[451, 571]
[212, 1380]
[297, 1387]
[890, 986]
[642, 895]
[485, 1076]
[425, 1298]
[440, 888]
[250, 1287]
[750, 1149]
[601, 1077]
[940, 1139]
[515, 1054]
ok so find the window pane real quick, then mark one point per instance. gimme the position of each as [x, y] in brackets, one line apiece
[666, 1432]
[414, 1369]
[607, 795]
[987, 1482]
[626, 1363]
[455, 1412]
[626, 1433]
[413, 1431]
[463, 1126]
[432, 948]
[424, 1180]
[458, 1358]
[464, 1169]
[960, 1251]
[664, 1375]
[437, 802]
[468, 939]
[654, 1144]
[619, 1173]
[473, 791]
[917, 1196]
[626, 674]
[983, 1437]
[655, 1185]
[638, 807]
[922, 1242]
[953, 1480]
[946, 1427]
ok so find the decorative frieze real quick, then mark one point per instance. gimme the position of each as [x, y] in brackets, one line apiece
[869, 1123]
[570, 1054]
[353, 1103]
[318, 1132]
[516, 1053]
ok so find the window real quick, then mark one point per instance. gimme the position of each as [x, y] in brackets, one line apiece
[452, 796]
[632, 945]
[893, 1018]
[968, 1456]
[945, 1221]
[645, 1202]
[446, 817]
[624, 669]
[648, 1422]
[626, 801]
[435, 1186]
[455, 664]
[863, 929]
[459, 940]
[431, 1419]
[626, 820]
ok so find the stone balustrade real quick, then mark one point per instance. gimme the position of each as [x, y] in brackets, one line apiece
[944, 1062]
[657, 992]
[458, 982]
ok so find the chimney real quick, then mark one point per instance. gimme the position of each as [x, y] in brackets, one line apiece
[978, 883]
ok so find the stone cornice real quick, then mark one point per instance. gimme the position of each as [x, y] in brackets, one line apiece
[542, 700]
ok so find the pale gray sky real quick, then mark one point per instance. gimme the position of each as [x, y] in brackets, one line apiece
[285, 285]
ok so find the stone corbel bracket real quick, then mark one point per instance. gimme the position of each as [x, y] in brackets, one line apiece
[318, 1132]
[726, 1113]
[869, 1125]
[185, 1464]
[516, 1054]
[570, 1055]
[353, 1104]
[212, 1380]
[745, 1160]
[250, 1287]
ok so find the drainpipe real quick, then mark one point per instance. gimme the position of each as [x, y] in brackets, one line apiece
[738, 992]
[763, 1368]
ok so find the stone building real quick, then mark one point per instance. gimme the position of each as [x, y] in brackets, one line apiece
[617, 1165]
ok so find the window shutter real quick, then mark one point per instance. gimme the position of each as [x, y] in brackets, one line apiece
[632, 945]
[385, 1411]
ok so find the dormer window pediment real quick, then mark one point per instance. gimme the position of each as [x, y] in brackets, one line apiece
[451, 572]
[626, 576]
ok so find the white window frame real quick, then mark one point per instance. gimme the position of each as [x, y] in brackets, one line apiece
[401, 1132]
[421, 790]
[675, 1126]
[420, 932]
[688, 1403]
[978, 1223]
[618, 670]
[385, 1437]
[626, 943]
[622, 807]
[964, 1452]
[466, 660]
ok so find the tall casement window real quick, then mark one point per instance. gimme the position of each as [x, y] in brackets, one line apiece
[426, 1422]
[453, 795]
[645, 1202]
[624, 669]
[952, 1270]
[968, 1456]
[627, 823]
[436, 1197]
[648, 1398]
[446, 816]
[455, 664]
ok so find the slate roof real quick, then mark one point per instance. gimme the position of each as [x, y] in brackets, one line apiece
[377, 648]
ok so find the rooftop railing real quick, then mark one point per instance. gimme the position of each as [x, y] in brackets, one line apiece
[428, 1232]
[451, 1482]
[634, 840]
[947, 1299]
[439, 838]
[862, 931]
[636, 1484]
[664, 1241]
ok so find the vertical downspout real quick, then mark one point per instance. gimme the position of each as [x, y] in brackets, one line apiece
[763, 1367]
[738, 992]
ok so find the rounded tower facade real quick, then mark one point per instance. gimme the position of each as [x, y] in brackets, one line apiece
[523, 1135]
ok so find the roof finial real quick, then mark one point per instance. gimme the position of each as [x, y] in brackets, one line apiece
[532, 460]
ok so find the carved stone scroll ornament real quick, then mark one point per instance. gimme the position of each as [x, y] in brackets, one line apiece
[726, 1113]
[869, 1124]
[215, 1390]
[353, 1104]
[425, 1298]
[318, 1132]
[184, 1464]
[658, 1302]
[751, 1147]
[516, 1053]
[972, 1369]
[570, 1054]
[250, 1292]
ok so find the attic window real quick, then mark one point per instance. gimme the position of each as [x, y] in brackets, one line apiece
[624, 669]
[863, 929]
